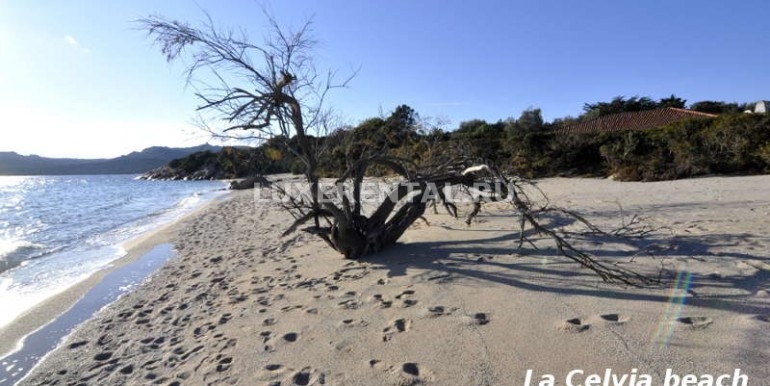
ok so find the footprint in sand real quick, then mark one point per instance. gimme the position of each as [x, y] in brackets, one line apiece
[406, 303]
[291, 308]
[353, 322]
[436, 311]
[224, 364]
[415, 374]
[410, 372]
[350, 304]
[269, 322]
[291, 337]
[397, 326]
[127, 369]
[481, 318]
[477, 319]
[306, 376]
[614, 318]
[574, 325]
[695, 322]
[378, 365]
[378, 298]
[103, 356]
[225, 318]
[77, 344]
[405, 297]
[301, 378]
[411, 369]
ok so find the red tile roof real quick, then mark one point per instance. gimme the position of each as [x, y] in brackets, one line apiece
[634, 120]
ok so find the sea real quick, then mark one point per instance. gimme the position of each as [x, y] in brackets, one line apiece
[55, 231]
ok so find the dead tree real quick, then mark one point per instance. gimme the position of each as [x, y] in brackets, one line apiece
[283, 97]
[355, 234]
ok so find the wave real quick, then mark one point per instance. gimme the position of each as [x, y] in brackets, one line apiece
[9, 247]
[14, 252]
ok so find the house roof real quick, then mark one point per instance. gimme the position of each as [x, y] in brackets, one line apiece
[633, 120]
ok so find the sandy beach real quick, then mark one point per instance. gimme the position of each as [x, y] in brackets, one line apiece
[450, 305]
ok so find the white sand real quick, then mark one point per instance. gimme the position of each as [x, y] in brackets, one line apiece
[452, 305]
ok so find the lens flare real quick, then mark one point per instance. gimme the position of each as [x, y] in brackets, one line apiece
[676, 301]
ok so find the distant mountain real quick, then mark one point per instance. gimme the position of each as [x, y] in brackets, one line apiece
[12, 163]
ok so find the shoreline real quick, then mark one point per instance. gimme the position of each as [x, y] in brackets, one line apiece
[38, 344]
[48, 310]
[450, 304]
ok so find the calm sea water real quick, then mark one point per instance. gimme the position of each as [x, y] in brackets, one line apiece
[58, 230]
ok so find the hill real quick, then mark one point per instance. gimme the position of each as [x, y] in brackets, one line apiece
[12, 163]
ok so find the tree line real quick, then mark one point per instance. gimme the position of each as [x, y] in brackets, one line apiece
[732, 143]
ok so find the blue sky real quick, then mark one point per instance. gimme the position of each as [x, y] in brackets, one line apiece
[77, 78]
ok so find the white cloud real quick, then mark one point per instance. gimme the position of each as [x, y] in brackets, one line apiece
[70, 40]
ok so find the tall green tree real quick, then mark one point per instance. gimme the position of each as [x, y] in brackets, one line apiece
[530, 120]
[672, 101]
[401, 125]
[717, 107]
[617, 105]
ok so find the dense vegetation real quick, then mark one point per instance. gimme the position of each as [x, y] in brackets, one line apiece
[732, 143]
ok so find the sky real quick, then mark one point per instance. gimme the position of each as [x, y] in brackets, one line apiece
[80, 79]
